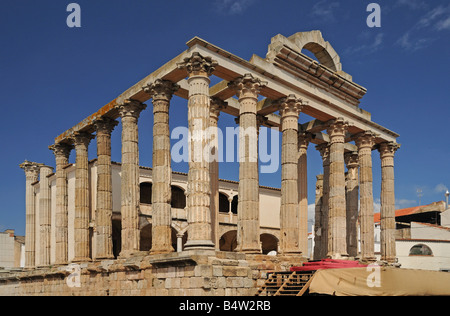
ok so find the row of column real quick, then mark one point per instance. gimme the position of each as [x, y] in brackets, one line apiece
[202, 191]
[336, 231]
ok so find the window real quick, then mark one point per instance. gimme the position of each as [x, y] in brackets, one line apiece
[420, 250]
[146, 193]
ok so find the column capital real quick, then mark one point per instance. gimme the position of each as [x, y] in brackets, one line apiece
[161, 89]
[81, 139]
[388, 149]
[247, 86]
[304, 138]
[351, 159]
[131, 108]
[365, 139]
[31, 169]
[198, 65]
[216, 106]
[260, 120]
[289, 106]
[337, 129]
[61, 149]
[324, 150]
[105, 125]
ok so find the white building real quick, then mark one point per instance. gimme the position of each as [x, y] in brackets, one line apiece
[12, 250]
[423, 237]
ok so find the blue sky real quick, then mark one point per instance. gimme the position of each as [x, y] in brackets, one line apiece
[52, 76]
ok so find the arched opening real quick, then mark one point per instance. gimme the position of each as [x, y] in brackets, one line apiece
[234, 205]
[146, 192]
[269, 244]
[420, 250]
[224, 204]
[320, 54]
[117, 237]
[228, 241]
[178, 198]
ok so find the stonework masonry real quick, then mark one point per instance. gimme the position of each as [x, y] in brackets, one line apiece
[191, 273]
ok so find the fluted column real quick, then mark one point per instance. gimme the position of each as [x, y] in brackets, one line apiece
[337, 243]
[318, 218]
[104, 209]
[31, 175]
[216, 106]
[199, 69]
[324, 150]
[161, 92]
[388, 249]
[303, 142]
[130, 112]
[289, 108]
[62, 153]
[352, 194]
[365, 142]
[82, 215]
[45, 219]
[247, 90]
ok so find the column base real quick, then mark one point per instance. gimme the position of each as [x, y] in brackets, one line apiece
[291, 253]
[250, 251]
[369, 259]
[199, 244]
[130, 253]
[338, 256]
[111, 257]
[161, 250]
[81, 260]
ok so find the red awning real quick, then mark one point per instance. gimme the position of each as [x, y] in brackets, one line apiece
[328, 264]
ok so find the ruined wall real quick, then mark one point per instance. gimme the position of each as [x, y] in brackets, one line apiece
[194, 273]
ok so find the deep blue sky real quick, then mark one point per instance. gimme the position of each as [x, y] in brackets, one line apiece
[52, 76]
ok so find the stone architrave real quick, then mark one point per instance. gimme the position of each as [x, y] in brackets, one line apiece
[324, 150]
[31, 175]
[365, 142]
[303, 143]
[45, 215]
[82, 213]
[352, 195]
[337, 240]
[247, 90]
[388, 249]
[216, 106]
[161, 92]
[103, 213]
[289, 108]
[318, 218]
[62, 153]
[199, 69]
[129, 113]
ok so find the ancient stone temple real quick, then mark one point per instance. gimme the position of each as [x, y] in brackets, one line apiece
[132, 230]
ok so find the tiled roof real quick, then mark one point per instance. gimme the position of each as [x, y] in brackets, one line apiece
[402, 212]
